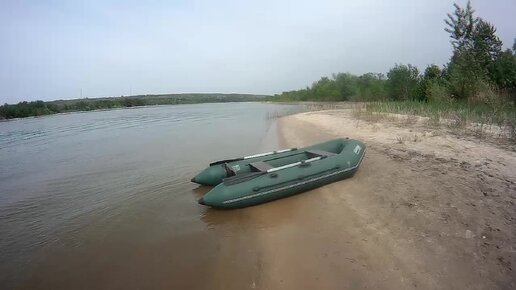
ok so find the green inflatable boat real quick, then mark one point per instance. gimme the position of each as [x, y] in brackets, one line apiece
[260, 178]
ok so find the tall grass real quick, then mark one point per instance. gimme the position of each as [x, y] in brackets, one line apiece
[482, 116]
[479, 113]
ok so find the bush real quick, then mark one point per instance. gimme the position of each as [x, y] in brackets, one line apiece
[435, 91]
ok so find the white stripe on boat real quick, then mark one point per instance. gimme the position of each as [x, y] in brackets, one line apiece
[294, 185]
[269, 153]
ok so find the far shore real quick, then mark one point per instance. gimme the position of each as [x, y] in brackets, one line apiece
[118, 108]
[41, 108]
[426, 210]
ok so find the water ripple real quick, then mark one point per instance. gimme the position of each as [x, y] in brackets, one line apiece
[72, 179]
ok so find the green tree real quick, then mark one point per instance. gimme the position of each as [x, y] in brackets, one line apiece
[461, 25]
[371, 86]
[503, 73]
[486, 45]
[403, 82]
[432, 72]
[325, 89]
[432, 77]
[346, 84]
[475, 50]
[464, 75]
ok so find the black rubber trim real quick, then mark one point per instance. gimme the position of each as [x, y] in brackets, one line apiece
[226, 161]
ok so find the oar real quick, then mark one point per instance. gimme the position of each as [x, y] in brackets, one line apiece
[252, 156]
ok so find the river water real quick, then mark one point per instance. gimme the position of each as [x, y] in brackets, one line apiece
[104, 200]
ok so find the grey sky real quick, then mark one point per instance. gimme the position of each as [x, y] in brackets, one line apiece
[53, 49]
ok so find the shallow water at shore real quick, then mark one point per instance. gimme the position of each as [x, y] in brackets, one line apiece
[104, 199]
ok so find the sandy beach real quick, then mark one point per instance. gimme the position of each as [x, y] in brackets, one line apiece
[426, 210]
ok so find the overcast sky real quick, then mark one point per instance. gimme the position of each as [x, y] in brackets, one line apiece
[54, 49]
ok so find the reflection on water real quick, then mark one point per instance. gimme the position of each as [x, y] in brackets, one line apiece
[107, 194]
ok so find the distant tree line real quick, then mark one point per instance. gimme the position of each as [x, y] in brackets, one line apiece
[40, 108]
[479, 70]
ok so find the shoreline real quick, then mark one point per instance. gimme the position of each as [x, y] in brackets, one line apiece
[418, 214]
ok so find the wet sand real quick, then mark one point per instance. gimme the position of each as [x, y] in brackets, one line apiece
[435, 213]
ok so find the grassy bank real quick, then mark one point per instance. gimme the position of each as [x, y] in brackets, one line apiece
[500, 114]
[478, 119]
